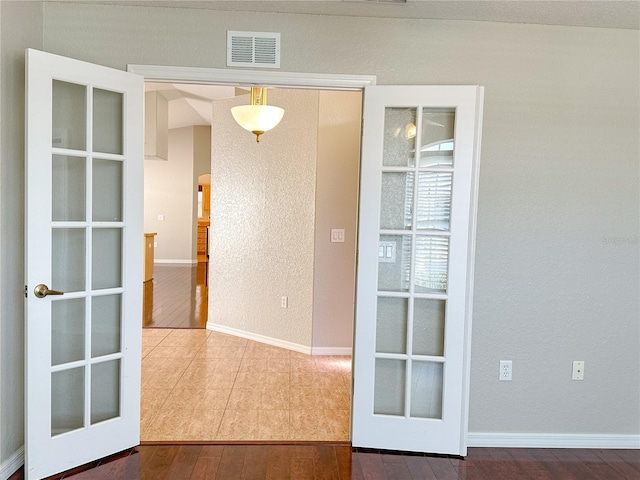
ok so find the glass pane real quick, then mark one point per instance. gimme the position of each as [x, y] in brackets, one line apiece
[388, 393]
[434, 200]
[106, 258]
[436, 147]
[431, 264]
[68, 188]
[67, 259]
[105, 325]
[105, 391]
[67, 331]
[107, 121]
[428, 327]
[67, 400]
[399, 137]
[69, 108]
[396, 206]
[394, 263]
[426, 389]
[107, 191]
[391, 325]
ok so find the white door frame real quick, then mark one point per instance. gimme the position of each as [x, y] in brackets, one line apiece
[319, 81]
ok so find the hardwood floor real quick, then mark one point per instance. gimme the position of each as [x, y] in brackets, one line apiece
[315, 462]
[177, 297]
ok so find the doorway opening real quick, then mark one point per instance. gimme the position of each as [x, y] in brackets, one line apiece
[212, 385]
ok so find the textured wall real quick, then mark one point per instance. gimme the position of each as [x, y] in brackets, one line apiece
[262, 220]
[558, 222]
[20, 27]
[339, 118]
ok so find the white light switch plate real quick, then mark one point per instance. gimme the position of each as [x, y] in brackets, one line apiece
[337, 235]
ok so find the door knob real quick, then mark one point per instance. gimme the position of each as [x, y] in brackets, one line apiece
[42, 291]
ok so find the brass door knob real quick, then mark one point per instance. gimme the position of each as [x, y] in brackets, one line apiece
[42, 291]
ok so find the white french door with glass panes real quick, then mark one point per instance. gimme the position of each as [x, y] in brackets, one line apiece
[83, 283]
[418, 191]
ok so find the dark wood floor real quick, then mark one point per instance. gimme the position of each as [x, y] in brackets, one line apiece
[315, 462]
[176, 297]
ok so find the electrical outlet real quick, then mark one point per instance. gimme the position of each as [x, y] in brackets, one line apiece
[155, 244]
[506, 367]
[284, 301]
[578, 370]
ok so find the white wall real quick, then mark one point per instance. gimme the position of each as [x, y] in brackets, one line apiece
[557, 266]
[170, 190]
[262, 220]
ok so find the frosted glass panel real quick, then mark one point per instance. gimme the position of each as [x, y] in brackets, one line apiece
[394, 270]
[434, 200]
[426, 389]
[431, 264]
[428, 327]
[107, 191]
[69, 109]
[389, 387]
[68, 188]
[399, 137]
[105, 391]
[396, 206]
[106, 258]
[68, 259]
[67, 331]
[107, 121]
[437, 144]
[105, 325]
[391, 325]
[67, 400]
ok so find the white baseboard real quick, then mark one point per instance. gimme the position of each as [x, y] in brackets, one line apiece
[552, 440]
[175, 261]
[259, 338]
[342, 351]
[12, 464]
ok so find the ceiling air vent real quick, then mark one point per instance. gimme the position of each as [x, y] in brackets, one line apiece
[253, 49]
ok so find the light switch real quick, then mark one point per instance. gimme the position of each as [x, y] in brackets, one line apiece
[337, 235]
[161, 218]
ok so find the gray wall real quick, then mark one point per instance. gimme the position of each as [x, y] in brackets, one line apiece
[20, 27]
[558, 222]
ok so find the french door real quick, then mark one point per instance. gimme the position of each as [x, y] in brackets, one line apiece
[84, 243]
[415, 263]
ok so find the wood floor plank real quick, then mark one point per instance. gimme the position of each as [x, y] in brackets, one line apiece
[256, 463]
[581, 470]
[612, 459]
[184, 462]
[160, 462]
[419, 468]
[279, 466]
[343, 458]
[325, 463]
[371, 465]
[231, 462]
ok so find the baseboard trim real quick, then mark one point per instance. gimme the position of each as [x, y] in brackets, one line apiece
[552, 440]
[175, 261]
[342, 351]
[276, 342]
[12, 464]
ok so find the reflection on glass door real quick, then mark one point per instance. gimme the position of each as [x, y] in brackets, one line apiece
[416, 212]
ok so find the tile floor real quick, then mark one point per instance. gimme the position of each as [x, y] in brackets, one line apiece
[199, 385]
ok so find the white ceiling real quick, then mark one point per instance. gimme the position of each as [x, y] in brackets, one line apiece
[623, 14]
[190, 104]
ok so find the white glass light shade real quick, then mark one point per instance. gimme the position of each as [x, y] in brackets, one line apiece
[257, 118]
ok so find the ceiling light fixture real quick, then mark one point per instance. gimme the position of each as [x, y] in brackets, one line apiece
[257, 117]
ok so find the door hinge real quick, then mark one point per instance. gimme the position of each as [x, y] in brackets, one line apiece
[25, 291]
